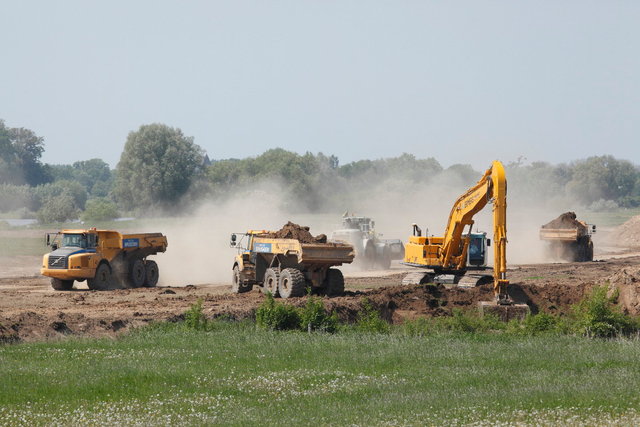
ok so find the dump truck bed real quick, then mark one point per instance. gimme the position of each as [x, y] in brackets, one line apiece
[307, 253]
[560, 234]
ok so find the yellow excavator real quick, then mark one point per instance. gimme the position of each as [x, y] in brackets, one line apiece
[453, 258]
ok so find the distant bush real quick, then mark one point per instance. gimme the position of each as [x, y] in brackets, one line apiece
[57, 209]
[369, 319]
[277, 316]
[99, 210]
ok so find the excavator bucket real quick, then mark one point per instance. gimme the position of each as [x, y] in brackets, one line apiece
[504, 312]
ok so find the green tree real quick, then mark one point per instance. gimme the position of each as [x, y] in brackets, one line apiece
[20, 152]
[57, 209]
[157, 167]
[602, 178]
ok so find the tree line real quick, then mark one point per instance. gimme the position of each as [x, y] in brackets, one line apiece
[164, 171]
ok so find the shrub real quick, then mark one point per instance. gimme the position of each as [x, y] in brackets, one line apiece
[277, 316]
[540, 323]
[369, 319]
[314, 317]
[418, 327]
[99, 210]
[194, 317]
[596, 315]
[469, 322]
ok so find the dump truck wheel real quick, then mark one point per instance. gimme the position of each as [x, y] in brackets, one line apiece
[385, 261]
[152, 274]
[137, 273]
[334, 283]
[292, 283]
[102, 279]
[589, 251]
[271, 282]
[237, 287]
[62, 285]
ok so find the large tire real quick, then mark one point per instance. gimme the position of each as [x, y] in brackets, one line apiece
[334, 283]
[103, 279]
[291, 283]
[369, 261]
[137, 273]
[385, 261]
[271, 282]
[152, 274]
[237, 287]
[589, 251]
[61, 285]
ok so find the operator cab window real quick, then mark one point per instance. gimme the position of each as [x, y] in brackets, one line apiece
[74, 240]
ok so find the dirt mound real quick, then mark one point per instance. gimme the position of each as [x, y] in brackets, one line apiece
[627, 281]
[298, 232]
[564, 221]
[627, 234]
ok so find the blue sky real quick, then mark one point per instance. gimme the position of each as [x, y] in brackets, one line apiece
[461, 81]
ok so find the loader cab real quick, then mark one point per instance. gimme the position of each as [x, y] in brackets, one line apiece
[477, 252]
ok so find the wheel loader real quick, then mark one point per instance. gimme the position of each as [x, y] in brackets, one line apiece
[371, 250]
[287, 267]
[106, 259]
[458, 258]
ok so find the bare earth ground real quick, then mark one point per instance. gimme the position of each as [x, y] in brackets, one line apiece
[31, 310]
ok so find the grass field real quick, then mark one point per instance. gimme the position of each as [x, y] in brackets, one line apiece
[236, 374]
[11, 246]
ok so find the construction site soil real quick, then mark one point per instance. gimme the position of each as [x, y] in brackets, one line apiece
[30, 310]
[565, 221]
[298, 232]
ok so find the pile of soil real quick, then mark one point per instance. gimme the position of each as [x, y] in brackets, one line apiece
[627, 234]
[627, 281]
[298, 232]
[565, 221]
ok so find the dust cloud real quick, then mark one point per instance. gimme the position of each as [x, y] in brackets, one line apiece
[199, 249]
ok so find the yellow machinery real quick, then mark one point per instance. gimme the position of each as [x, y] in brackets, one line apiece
[453, 255]
[286, 267]
[107, 259]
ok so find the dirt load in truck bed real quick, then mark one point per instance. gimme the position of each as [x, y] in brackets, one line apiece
[565, 221]
[298, 232]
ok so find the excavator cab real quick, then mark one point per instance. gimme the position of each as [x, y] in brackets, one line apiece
[477, 252]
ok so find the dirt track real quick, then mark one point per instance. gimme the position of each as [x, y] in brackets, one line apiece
[31, 310]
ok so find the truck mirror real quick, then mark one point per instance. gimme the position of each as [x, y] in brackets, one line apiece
[233, 240]
[593, 228]
[48, 239]
[488, 242]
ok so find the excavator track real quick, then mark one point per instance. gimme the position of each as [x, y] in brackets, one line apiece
[473, 280]
[417, 278]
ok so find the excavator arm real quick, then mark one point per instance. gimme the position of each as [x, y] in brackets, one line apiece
[491, 188]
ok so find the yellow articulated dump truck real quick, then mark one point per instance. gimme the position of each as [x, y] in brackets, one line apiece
[286, 267]
[106, 259]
